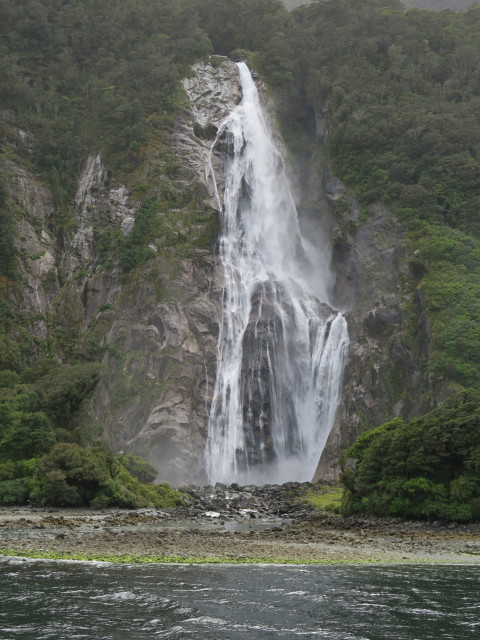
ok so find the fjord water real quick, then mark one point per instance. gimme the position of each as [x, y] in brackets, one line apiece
[42, 600]
[281, 344]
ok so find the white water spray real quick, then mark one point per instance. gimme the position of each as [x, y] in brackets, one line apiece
[281, 346]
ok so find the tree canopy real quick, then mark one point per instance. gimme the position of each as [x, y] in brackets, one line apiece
[425, 469]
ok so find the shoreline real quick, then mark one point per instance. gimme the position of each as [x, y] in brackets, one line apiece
[213, 560]
[174, 537]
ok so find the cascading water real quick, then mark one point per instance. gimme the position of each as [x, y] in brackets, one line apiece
[281, 345]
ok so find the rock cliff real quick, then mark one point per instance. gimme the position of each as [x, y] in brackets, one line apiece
[385, 374]
[155, 328]
[161, 348]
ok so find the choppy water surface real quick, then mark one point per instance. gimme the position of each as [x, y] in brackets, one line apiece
[82, 600]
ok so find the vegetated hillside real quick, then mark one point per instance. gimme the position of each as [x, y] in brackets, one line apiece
[398, 93]
[440, 5]
[427, 468]
[432, 5]
[79, 79]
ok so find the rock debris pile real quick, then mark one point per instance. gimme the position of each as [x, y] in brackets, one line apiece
[233, 501]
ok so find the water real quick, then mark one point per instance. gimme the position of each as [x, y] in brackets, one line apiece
[281, 344]
[42, 600]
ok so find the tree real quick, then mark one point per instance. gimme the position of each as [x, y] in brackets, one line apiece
[69, 475]
[30, 436]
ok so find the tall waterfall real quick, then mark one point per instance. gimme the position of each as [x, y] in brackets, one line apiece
[281, 345]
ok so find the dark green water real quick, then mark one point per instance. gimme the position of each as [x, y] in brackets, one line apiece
[40, 599]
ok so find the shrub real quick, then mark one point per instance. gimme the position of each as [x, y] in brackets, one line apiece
[15, 491]
[73, 476]
[69, 475]
[138, 467]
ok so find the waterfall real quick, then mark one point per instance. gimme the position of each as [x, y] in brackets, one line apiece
[281, 345]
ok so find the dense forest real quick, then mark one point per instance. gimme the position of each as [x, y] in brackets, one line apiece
[427, 468]
[399, 90]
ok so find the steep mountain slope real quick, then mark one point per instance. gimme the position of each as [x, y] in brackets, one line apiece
[108, 274]
[433, 5]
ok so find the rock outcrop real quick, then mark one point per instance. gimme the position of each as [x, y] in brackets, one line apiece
[213, 92]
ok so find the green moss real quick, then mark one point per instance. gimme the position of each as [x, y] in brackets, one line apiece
[161, 559]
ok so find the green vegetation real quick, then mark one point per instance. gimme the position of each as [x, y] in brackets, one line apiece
[41, 457]
[324, 498]
[425, 469]
[85, 77]
[149, 559]
[8, 252]
[138, 468]
[73, 476]
[137, 251]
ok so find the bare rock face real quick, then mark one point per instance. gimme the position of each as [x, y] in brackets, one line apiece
[383, 378]
[89, 189]
[161, 348]
[97, 201]
[35, 244]
[159, 363]
[213, 92]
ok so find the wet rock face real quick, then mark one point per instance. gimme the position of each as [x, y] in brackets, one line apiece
[256, 382]
[383, 378]
[265, 331]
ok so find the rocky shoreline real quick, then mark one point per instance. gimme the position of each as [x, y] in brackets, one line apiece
[234, 524]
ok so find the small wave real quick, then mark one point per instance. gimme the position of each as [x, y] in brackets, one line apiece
[216, 622]
[173, 632]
